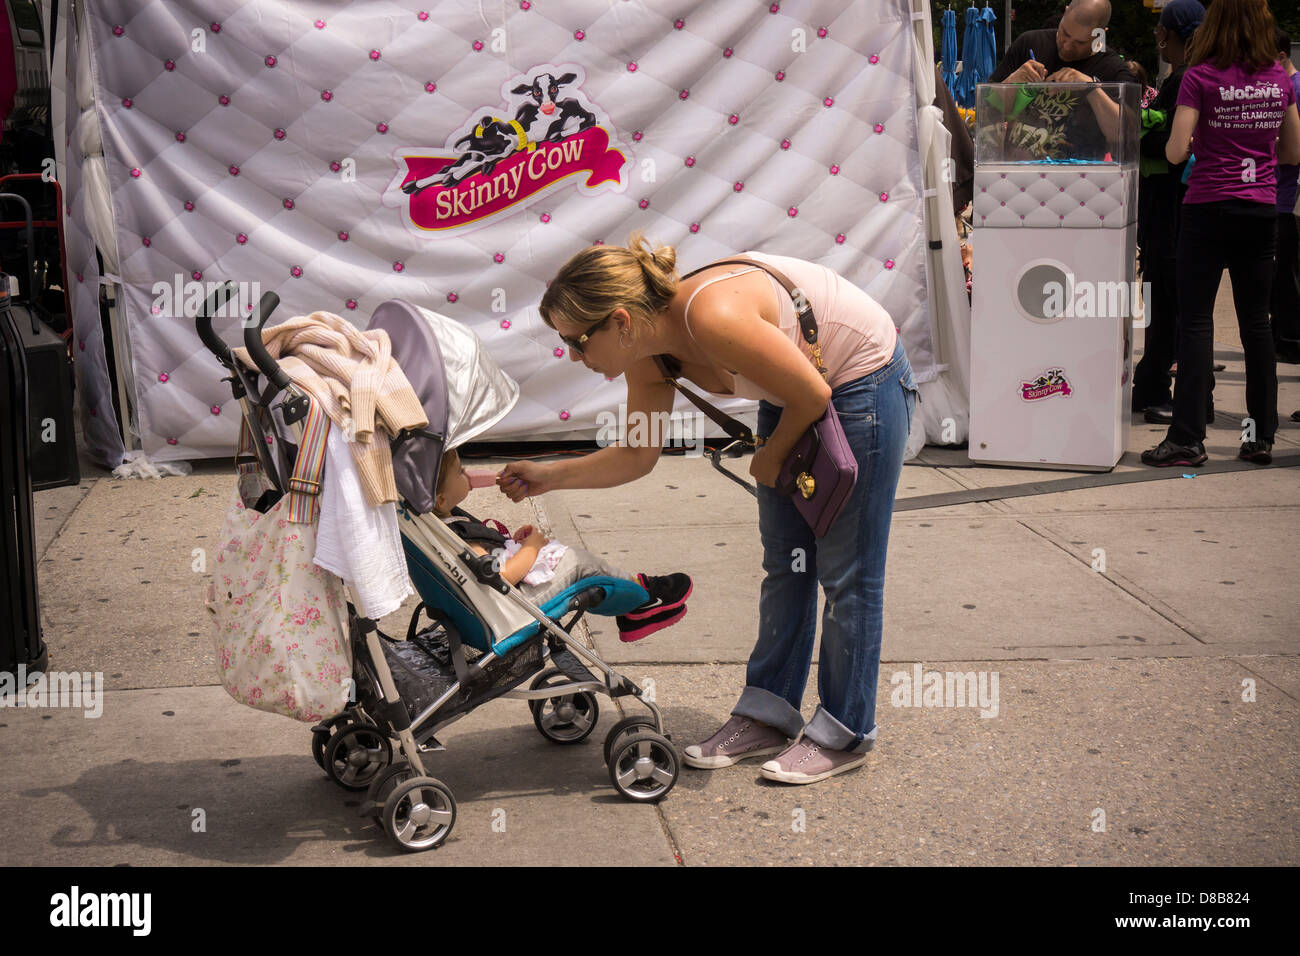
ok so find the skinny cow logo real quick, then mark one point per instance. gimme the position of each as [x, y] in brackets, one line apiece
[1052, 382]
[503, 157]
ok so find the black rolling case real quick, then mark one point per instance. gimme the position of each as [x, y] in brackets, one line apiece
[20, 627]
[52, 437]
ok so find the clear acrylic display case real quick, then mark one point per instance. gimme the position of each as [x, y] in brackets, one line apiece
[1057, 123]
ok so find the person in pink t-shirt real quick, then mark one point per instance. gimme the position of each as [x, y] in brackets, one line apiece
[1237, 114]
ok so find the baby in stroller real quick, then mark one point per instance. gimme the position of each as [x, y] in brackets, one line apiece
[542, 567]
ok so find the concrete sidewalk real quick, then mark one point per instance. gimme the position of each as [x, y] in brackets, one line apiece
[1147, 713]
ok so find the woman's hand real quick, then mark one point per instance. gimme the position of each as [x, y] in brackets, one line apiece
[522, 533]
[522, 479]
[765, 467]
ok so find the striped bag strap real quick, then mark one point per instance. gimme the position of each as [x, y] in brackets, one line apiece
[247, 449]
[304, 486]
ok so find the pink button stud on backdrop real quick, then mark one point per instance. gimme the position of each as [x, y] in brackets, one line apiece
[690, 160]
[579, 35]
[135, 172]
[828, 102]
[873, 59]
[564, 415]
[792, 211]
[343, 235]
[430, 87]
[270, 61]
[678, 23]
[889, 263]
[884, 197]
[774, 8]
[636, 137]
[215, 409]
[233, 170]
[223, 99]
[695, 227]
[559, 352]
[780, 76]
[163, 377]
[296, 272]
[180, 137]
[499, 258]
[452, 297]
[785, 144]
[381, 128]
[835, 170]
[822, 31]
[288, 204]
[319, 24]
[398, 266]
[351, 303]
[738, 186]
[172, 441]
[126, 102]
[481, 478]
[644, 204]
[118, 31]
[840, 239]
[196, 275]
[683, 94]
[545, 217]
[279, 133]
[733, 119]
[327, 95]
[335, 166]
[505, 324]
[727, 52]
[879, 127]
[375, 54]
[146, 241]
[241, 238]
[525, 5]
[478, 46]
[631, 67]
[189, 205]
[422, 16]
[214, 27]
[169, 65]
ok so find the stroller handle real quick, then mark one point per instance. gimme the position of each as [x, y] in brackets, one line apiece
[257, 348]
[203, 322]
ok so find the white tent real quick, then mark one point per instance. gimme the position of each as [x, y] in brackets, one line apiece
[268, 142]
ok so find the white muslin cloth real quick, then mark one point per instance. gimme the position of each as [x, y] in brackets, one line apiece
[358, 541]
[543, 569]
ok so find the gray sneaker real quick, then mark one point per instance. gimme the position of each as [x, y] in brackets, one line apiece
[739, 739]
[807, 762]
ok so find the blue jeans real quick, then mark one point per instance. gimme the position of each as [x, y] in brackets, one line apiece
[849, 562]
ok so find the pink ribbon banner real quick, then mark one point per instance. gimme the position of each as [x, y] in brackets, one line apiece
[512, 181]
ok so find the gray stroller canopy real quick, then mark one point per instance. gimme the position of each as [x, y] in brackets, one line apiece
[463, 390]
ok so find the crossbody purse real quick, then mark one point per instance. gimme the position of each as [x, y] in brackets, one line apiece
[821, 470]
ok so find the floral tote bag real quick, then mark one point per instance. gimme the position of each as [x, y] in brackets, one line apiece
[282, 622]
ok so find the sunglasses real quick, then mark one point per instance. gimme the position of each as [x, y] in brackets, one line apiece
[579, 344]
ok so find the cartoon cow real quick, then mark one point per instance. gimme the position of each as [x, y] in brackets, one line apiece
[495, 139]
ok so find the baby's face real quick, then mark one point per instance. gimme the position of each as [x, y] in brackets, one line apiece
[456, 488]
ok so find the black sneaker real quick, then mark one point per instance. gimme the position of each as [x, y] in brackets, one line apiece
[1295, 416]
[1259, 452]
[666, 592]
[1158, 414]
[1169, 453]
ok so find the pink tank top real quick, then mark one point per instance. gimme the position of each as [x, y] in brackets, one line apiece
[856, 334]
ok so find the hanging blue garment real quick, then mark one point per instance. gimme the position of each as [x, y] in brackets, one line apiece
[988, 60]
[964, 92]
[948, 51]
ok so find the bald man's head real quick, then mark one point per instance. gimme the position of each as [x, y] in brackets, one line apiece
[1090, 13]
[1076, 37]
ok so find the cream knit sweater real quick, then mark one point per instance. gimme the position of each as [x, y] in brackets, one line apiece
[358, 384]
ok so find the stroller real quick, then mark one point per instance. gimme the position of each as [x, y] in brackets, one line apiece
[484, 639]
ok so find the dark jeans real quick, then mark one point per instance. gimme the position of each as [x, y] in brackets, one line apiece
[1214, 237]
[1285, 304]
[1151, 378]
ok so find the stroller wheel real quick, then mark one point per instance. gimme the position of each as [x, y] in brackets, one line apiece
[322, 732]
[643, 767]
[382, 787]
[356, 754]
[568, 718]
[628, 725]
[419, 814]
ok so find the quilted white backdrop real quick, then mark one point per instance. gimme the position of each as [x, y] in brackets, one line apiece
[265, 142]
